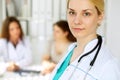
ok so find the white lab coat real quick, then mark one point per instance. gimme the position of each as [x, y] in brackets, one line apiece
[105, 67]
[21, 55]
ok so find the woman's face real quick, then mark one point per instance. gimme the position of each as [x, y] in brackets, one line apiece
[14, 31]
[82, 18]
[58, 33]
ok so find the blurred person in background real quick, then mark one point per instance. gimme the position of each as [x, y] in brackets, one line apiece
[62, 39]
[14, 47]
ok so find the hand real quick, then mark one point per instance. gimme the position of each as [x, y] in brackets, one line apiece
[48, 67]
[46, 57]
[12, 67]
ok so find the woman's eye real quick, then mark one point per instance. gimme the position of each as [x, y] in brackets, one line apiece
[71, 12]
[86, 14]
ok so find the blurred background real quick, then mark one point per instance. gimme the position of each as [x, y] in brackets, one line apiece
[37, 18]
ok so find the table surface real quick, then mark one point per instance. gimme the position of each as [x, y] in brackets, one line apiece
[31, 76]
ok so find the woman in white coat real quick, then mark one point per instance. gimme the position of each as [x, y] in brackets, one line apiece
[88, 58]
[14, 47]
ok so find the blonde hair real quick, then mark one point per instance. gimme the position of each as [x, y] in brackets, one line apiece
[99, 5]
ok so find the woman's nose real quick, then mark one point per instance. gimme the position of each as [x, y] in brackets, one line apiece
[78, 20]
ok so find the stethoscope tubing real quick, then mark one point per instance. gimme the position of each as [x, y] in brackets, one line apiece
[98, 47]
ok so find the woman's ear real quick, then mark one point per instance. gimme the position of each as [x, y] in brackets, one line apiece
[100, 17]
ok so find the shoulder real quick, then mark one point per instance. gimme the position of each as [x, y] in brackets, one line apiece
[3, 44]
[109, 65]
[106, 54]
[3, 41]
[26, 41]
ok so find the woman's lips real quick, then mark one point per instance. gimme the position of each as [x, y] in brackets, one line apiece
[78, 29]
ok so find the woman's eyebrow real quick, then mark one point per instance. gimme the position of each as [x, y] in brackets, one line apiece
[88, 10]
[71, 9]
[82, 10]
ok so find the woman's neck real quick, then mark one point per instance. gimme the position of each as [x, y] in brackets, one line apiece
[82, 42]
[14, 41]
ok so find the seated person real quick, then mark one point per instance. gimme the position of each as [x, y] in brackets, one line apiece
[14, 47]
[62, 39]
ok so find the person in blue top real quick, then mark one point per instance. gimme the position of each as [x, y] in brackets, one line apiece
[88, 58]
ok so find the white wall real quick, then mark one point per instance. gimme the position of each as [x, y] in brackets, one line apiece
[113, 27]
[0, 13]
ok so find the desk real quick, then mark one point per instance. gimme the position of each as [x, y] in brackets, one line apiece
[17, 76]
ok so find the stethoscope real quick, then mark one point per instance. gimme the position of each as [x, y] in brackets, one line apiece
[98, 47]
